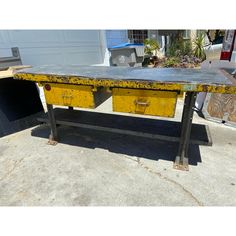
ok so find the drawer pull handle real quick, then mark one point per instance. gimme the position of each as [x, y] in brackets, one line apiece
[67, 99]
[67, 96]
[141, 103]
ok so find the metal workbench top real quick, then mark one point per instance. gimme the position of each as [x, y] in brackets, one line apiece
[208, 80]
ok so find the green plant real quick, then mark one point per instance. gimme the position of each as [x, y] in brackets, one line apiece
[187, 47]
[176, 44]
[173, 49]
[180, 47]
[151, 46]
[171, 62]
[198, 50]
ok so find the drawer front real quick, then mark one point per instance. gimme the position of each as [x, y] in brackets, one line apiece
[146, 102]
[69, 95]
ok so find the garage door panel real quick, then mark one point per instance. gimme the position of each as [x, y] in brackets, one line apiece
[39, 47]
[84, 58]
[36, 36]
[84, 36]
[41, 59]
[65, 56]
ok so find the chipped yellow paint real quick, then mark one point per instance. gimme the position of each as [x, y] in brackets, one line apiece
[109, 83]
[146, 102]
[69, 95]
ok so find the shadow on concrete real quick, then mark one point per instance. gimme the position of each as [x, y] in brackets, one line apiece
[119, 143]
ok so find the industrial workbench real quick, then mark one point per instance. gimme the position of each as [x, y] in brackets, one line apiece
[146, 91]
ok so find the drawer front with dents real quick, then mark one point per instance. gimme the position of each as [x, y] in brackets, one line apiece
[146, 102]
[74, 95]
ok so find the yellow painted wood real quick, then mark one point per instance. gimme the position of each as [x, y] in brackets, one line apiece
[70, 95]
[146, 102]
[128, 83]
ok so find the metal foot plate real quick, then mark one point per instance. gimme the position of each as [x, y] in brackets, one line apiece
[52, 141]
[181, 165]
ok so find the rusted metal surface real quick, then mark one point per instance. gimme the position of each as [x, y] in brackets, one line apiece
[198, 80]
[52, 142]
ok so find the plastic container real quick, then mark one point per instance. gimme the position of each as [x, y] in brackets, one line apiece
[127, 54]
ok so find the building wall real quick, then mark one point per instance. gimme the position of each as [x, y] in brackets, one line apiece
[37, 47]
[115, 37]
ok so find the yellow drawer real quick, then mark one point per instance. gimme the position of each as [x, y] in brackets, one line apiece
[146, 102]
[74, 95]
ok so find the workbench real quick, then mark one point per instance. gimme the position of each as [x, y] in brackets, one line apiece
[146, 91]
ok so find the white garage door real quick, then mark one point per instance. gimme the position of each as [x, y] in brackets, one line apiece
[38, 47]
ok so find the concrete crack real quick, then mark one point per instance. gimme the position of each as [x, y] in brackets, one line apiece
[15, 165]
[169, 180]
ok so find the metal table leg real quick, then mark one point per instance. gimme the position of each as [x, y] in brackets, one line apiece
[53, 138]
[181, 161]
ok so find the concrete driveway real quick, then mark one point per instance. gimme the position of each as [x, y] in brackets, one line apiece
[91, 168]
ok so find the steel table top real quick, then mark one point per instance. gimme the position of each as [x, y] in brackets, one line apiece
[208, 80]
